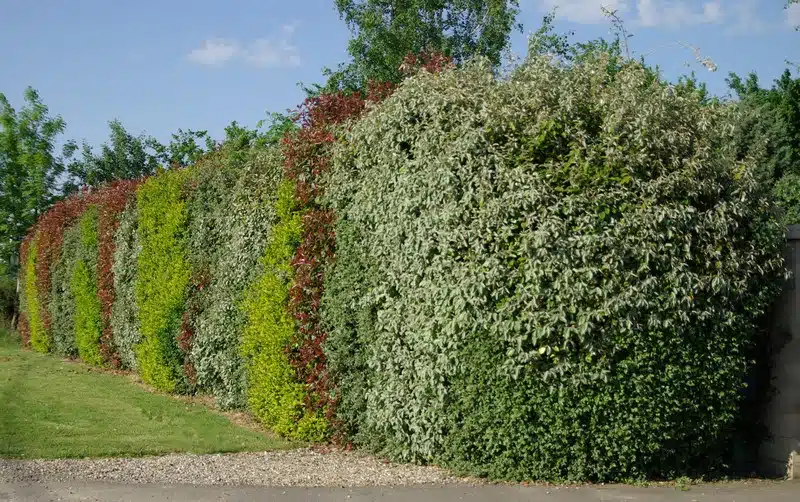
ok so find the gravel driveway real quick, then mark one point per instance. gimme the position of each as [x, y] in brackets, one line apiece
[301, 467]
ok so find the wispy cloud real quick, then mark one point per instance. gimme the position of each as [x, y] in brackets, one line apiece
[648, 13]
[747, 16]
[585, 11]
[653, 13]
[215, 51]
[273, 52]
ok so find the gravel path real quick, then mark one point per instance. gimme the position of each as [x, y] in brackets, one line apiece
[301, 467]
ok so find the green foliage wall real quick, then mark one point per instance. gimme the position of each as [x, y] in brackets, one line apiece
[551, 277]
[62, 299]
[231, 216]
[274, 395]
[162, 278]
[39, 340]
[125, 313]
[83, 285]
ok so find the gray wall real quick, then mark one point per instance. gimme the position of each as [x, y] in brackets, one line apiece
[783, 411]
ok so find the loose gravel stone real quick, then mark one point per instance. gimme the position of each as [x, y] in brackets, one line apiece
[301, 467]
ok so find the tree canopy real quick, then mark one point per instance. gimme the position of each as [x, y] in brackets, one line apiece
[386, 31]
[29, 167]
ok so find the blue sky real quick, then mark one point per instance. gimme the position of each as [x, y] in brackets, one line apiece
[163, 65]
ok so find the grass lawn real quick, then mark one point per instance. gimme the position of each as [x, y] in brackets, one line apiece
[55, 409]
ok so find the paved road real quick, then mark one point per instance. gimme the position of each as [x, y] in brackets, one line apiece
[760, 492]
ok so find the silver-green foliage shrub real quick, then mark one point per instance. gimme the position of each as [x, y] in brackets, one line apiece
[62, 299]
[553, 276]
[232, 211]
[124, 313]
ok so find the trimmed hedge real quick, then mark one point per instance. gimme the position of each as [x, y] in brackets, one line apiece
[274, 395]
[34, 331]
[162, 279]
[555, 276]
[307, 159]
[62, 299]
[83, 286]
[112, 201]
[232, 211]
[124, 311]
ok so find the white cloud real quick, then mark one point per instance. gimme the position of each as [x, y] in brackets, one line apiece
[278, 51]
[584, 11]
[747, 16]
[274, 52]
[214, 52]
[793, 15]
[676, 13]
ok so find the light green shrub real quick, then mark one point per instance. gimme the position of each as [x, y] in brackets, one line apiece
[161, 279]
[554, 276]
[124, 313]
[83, 285]
[62, 300]
[39, 340]
[274, 395]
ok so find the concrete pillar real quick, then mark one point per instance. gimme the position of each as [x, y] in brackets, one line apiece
[780, 455]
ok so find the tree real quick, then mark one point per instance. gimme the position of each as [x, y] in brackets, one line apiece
[184, 148]
[29, 168]
[386, 31]
[770, 132]
[124, 156]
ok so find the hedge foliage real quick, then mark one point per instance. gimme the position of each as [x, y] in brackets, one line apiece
[232, 211]
[112, 201]
[554, 276]
[307, 159]
[83, 286]
[124, 311]
[34, 331]
[162, 278]
[274, 394]
[62, 299]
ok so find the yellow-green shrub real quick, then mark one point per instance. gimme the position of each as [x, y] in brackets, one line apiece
[83, 285]
[162, 279]
[40, 342]
[274, 395]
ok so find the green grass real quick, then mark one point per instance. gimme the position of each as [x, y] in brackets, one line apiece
[55, 409]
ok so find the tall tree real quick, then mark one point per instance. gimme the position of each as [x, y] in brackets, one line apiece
[386, 31]
[184, 149]
[29, 167]
[770, 132]
[124, 156]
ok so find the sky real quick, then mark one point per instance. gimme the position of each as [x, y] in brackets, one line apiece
[162, 65]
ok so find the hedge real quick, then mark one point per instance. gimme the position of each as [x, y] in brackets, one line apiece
[162, 279]
[274, 395]
[112, 201]
[33, 331]
[231, 216]
[83, 286]
[554, 276]
[124, 311]
[62, 298]
[307, 159]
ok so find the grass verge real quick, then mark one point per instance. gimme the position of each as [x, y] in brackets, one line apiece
[55, 409]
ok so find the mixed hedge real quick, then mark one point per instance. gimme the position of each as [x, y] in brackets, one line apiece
[557, 274]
